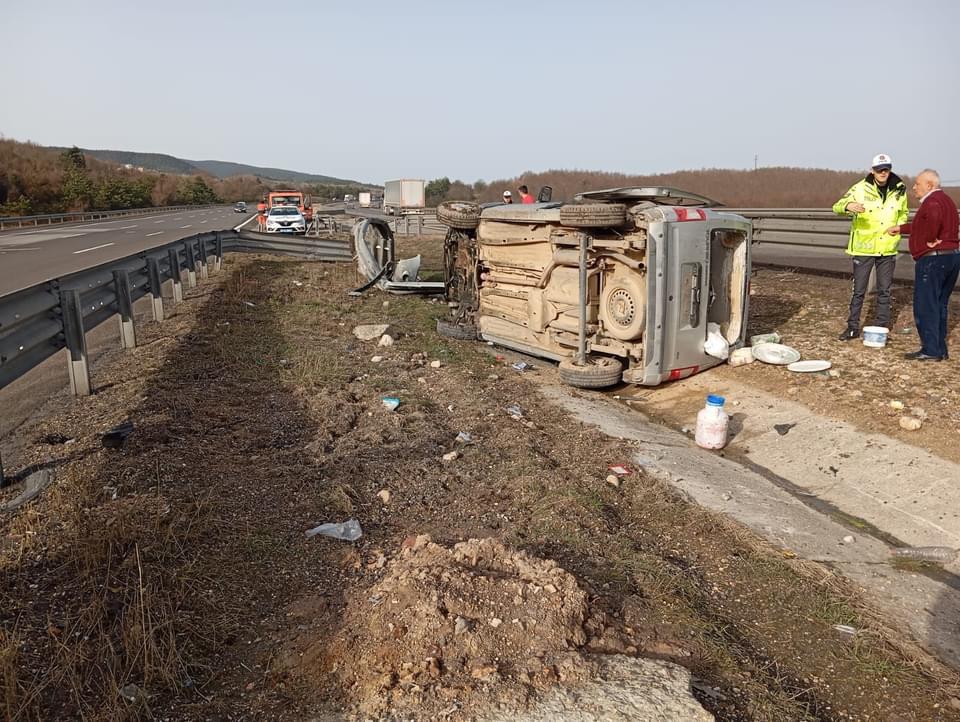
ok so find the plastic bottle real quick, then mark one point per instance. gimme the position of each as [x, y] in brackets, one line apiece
[927, 554]
[712, 424]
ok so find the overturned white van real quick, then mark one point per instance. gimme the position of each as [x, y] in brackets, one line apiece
[618, 285]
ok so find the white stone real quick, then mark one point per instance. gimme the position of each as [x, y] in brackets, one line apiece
[376, 359]
[613, 480]
[384, 496]
[386, 340]
[434, 364]
[451, 456]
[368, 332]
[909, 423]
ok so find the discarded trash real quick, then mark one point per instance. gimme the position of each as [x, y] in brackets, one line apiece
[464, 437]
[347, 531]
[712, 421]
[775, 353]
[522, 366]
[926, 554]
[741, 356]
[391, 402]
[515, 411]
[896, 405]
[845, 628]
[765, 338]
[613, 480]
[716, 345]
[619, 469]
[908, 329]
[250, 304]
[114, 438]
[782, 429]
[35, 483]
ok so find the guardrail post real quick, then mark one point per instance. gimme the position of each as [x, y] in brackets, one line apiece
[76, 342]
[156, 295]
[202, 245]
[177, 275]
[218, 253]
[191, 265]
[128, 334]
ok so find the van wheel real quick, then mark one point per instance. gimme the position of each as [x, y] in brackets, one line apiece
[593, 215]
[464, 332]
[600, 372]
[462, 215]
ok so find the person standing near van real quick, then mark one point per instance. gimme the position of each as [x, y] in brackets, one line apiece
[525, 196]
[507, 197]
[935, 248]
[877, 203]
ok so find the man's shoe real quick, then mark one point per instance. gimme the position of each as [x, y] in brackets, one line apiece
[921, 356]
[848, 334]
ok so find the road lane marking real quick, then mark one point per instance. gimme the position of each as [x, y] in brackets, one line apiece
[123, 228]
[160, 221]
[203, 221]
[154, 234]
[186, 226]
[84, 250]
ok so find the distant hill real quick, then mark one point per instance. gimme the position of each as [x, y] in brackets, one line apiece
[217, 168]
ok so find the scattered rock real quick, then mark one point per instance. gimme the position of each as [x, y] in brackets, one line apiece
[919, 413]
[376, 359]
[783, 429]
[896, 405]
[834, 373]
[849, 539]
[909, 423]
[435, 364]
[384, 496]
[451, 456]
[493, 377]
[386, 304]
[857, 394]
[726, 497]
[385, 340]
[613, 480]
[368, 332]
[496, 622]
[461, 626]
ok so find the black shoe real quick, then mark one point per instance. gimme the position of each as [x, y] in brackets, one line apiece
[921, 356]
[848, 334]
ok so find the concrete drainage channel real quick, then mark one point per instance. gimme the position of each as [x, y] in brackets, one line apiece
[815, 527]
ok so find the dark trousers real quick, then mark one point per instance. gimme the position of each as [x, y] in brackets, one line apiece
[862, 265]
[934, 279]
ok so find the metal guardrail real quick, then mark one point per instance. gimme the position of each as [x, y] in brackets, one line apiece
[77, 216]
[42, 320]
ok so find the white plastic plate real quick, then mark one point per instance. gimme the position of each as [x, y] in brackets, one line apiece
[809, 366]
[775, 353]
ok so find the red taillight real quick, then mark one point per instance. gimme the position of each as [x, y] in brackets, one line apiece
[682, 373]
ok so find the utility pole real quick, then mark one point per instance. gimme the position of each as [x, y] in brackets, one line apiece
[756, 157]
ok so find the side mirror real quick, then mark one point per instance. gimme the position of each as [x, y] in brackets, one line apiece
[545, 194]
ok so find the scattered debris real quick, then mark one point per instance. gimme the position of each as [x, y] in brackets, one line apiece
[368, 332]
[385, 340]
[34, 484]
[909, 423]
[114, 438]
[515, 411]
[926, 554]
[613, 480]
[250, 304]
[834, 373]
[464, 437]
[741, 356]
[521, 366]
[451, 456]
[896, 405]
[385, 304]
[384, 496]
[435, 364]
[765, 338]
[347, 531]
[783, 429]
[376, 359]
[619, 469]
[849, 539]
[390, 402]
[845, 629]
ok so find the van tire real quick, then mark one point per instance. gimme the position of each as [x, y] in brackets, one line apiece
[600, 372]
[461, 332]
[593, 215]
[462, 215]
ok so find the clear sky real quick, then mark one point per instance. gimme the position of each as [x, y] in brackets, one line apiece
[373, 89]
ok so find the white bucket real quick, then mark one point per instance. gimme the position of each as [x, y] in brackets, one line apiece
[875, 336]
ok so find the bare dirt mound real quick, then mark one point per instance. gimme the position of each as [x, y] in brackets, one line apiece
[470, 629]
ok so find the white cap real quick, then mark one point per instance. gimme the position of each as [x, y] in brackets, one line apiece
[506, 194]
[881, 159]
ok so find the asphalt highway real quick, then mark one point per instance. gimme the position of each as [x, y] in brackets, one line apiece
[31, 256]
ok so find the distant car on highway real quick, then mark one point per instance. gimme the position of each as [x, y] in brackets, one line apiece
[286, 219]
[241, 207]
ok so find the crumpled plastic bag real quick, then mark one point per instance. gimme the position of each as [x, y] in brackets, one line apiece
[716, 345]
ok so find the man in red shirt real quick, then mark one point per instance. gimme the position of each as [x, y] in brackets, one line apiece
[525, 196]
[936, 251]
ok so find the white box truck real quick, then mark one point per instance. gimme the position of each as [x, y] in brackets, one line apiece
[403, 196]
[363, 199]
